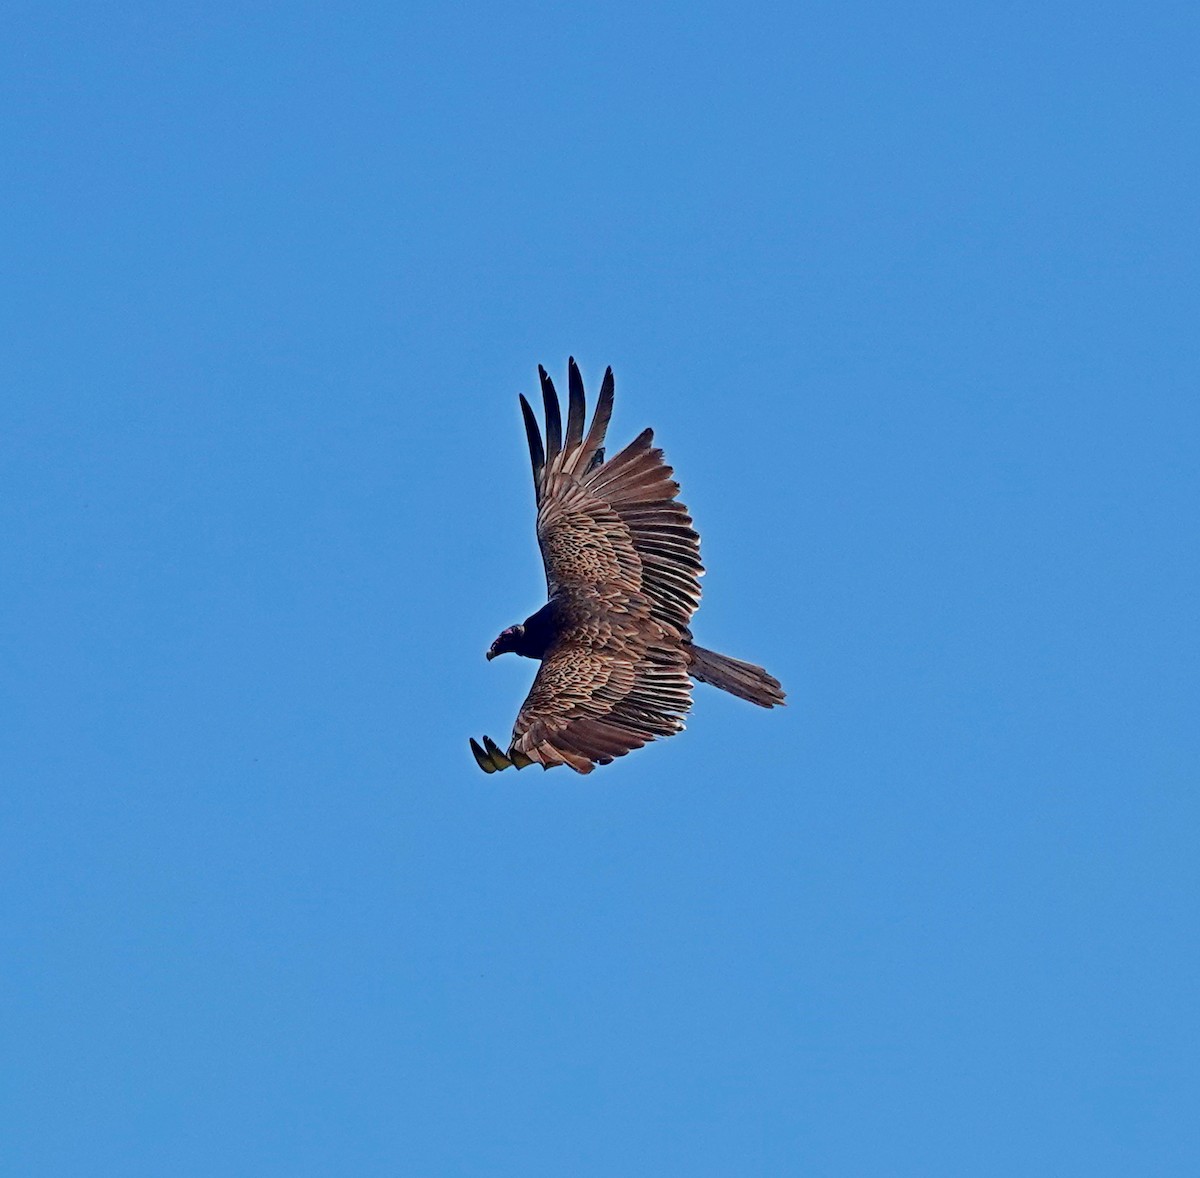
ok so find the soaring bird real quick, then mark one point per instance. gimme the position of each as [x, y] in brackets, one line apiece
[622, 576]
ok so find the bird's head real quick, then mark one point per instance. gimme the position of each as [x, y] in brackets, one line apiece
[509, 639]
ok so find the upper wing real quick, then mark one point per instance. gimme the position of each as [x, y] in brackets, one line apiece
[582, 499]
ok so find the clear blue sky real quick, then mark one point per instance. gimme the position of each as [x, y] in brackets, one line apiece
[910, 295]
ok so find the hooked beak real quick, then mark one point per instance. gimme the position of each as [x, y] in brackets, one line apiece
[491, 654]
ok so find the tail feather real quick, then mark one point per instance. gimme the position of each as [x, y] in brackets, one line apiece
[744, 680]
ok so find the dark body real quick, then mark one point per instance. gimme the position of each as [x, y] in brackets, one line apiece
[622, 571]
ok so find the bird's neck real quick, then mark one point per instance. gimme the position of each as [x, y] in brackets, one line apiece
[541, 629]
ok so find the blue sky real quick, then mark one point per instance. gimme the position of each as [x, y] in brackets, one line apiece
[909, 295]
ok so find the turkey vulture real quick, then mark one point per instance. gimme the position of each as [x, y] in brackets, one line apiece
[622, 574]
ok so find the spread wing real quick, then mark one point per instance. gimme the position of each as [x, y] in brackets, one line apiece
[623, 562]
[598, 697]
[578, 493]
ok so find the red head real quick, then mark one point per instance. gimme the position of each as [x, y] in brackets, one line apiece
[510, 639]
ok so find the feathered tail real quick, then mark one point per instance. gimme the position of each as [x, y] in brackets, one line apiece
[744, 680]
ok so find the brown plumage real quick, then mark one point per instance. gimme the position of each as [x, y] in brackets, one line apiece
[622, 575]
